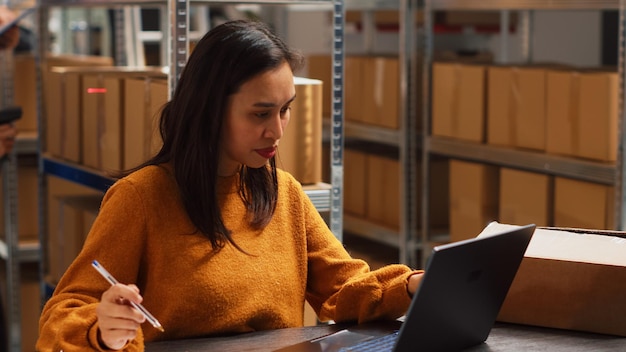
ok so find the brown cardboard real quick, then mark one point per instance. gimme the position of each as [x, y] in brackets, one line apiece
[353, 88]
[101, 114]
[320, 67]
[500, 102]
[473, 198]
[381, 86]
[525, 197]
[562, 113]
[571, 279]
[516, 113]
[383, 191]
[355, 191]
[102, 122]
[144, 98]
[62, 97]
[599, 100]
[25, 91]
[300, 148]
[530, 125]
[583, 204]
[459, 101]
[62, 103]
[75, 215]
[61, 189]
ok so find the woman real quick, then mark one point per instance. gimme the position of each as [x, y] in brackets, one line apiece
[215, 239]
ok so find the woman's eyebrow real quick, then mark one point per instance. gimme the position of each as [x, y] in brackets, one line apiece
[262, 104]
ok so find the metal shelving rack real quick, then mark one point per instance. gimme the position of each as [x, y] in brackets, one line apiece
[13, 251]
[325, 197]
[405, 138]
[541, 163]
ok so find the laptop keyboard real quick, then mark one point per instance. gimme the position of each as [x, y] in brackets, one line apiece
[376, 344]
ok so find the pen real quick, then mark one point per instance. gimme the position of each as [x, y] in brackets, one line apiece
[139, 307]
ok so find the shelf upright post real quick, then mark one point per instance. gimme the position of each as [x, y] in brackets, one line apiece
[620, 181]
[337, 125]
[11, 233]
[409, 141]
[178, 41]
[426, 65]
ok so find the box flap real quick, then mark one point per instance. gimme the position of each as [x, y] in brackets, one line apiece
[575, 245]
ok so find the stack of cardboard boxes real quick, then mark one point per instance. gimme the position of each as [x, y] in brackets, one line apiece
[542, 109]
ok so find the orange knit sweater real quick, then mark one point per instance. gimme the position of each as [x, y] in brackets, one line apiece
[142, 235]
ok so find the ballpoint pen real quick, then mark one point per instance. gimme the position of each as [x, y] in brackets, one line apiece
[151, 319]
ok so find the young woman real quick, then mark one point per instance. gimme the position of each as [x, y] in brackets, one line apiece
[209, 236]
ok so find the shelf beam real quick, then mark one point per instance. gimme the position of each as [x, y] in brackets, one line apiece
[598, 172]
[497, 5]
[318, 193]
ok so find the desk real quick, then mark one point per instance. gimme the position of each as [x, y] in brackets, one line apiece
[503, 337]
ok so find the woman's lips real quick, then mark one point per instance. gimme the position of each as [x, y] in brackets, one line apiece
[267, 153]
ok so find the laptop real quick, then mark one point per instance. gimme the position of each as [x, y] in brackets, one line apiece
[456, 305]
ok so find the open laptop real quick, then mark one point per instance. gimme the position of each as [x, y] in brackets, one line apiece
[457, 303]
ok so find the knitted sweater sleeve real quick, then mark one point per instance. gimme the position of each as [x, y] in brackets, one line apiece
[342, 288]
[68, 321]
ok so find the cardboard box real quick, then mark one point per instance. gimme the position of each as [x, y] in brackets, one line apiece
[516, 113]
[102, 120]
[583, 204]
[59, 189]
[525, 197]
[25, 91]
[355, 191]
[63, 102]
[582, 114]
[599, 101]
[320, 67]
[300, 148]
[381, 92]
[571, 279]
[75, 215]
[103, 113]
[473, 198]
[353, 88]
[383, 191]
[562, 113]
[459, 101]
[144, 98]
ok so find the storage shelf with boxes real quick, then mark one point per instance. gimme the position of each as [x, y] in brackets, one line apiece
[541, 139]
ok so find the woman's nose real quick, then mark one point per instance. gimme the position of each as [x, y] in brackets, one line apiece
[275, 127]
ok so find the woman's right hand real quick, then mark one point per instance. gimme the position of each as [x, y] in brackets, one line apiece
[118, 320]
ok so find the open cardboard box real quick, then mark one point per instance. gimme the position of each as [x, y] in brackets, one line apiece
[570, 279]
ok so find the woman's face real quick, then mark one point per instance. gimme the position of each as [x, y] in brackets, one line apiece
[257, 116]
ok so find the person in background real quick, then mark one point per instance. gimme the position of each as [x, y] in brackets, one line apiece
[8, 41]
[208, 235]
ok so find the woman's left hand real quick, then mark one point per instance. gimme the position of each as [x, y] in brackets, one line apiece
[414, 282]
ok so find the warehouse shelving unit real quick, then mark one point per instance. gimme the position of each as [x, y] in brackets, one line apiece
[327, 198]
[598, 172]
[13, 250]
[405, 138]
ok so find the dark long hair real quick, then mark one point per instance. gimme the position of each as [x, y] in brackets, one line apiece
[191, 122]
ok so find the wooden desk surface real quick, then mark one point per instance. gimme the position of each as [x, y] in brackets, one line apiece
[503, 337]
